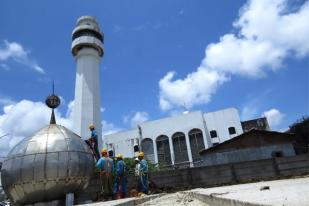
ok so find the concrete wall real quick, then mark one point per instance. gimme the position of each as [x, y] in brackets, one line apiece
[242, 172]
[209, 176]
[220, 121]
[247, 154]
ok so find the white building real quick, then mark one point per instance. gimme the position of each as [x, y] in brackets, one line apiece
[177, 140]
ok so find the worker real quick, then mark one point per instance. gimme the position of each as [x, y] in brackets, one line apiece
[137, 167]
[93, 141]
[143, 174]
[106, 166]
[120, 180]
[136, 173]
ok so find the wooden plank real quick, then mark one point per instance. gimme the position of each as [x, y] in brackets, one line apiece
[244, 171]
[298, 171]
[259, 163]
[292, 165]
[292, 158]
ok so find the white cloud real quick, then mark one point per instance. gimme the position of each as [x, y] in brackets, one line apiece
[265, 37]
[196, 88]
[267, 32]
[136, 118]
[274, 118]
[16, 52]
[109, 128]
[22, 119]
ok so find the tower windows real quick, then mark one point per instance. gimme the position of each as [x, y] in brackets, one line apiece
[87, 32]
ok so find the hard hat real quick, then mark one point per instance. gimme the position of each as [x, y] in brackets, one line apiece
[104, 151]
[141, 154]
[91, 126]
[120, 156]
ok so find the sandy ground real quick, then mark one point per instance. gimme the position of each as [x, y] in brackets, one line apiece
[288, 192]
[174, 199]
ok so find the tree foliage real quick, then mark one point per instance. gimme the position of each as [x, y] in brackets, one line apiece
[301, 130]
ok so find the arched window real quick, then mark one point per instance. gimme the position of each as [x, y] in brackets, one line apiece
[232, 130]
[147, 147]
[163, 147]
[196, 143]
[180, 147]
[213, 134]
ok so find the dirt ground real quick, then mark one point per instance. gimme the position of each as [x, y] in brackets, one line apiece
[175, 199]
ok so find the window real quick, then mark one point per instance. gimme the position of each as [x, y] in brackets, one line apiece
[87, 32]
[277, 154]
[196, 143]
[232, 130]
[147, 147]
[136, 148]
[163, 147]
[180, 147]
[111, 153]
[213, 134]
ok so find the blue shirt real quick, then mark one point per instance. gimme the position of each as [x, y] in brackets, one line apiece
[143, 166]
[105, 164]
[120, 169]
[94, 134]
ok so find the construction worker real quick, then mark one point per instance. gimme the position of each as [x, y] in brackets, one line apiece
[120, 180]
[143, 174]
[137, 167]
[106, 166]
[93, 142]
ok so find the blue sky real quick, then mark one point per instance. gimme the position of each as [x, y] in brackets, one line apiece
[252, 55]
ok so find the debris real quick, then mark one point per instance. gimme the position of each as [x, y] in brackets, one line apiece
[265, 188]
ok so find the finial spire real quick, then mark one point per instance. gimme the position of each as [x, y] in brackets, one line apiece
[53, 87]
[52, 101]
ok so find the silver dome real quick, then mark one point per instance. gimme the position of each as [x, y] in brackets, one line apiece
[46, 166]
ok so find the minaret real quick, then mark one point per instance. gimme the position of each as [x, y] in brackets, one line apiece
[87, 48]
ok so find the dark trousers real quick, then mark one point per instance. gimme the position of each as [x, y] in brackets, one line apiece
[143, 184]
[94, 147]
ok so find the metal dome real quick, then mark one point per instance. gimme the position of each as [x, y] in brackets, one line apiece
[46, 166]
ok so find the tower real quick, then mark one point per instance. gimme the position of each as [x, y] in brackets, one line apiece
[87, 48]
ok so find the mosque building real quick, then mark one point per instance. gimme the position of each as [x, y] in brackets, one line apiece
[178, 140]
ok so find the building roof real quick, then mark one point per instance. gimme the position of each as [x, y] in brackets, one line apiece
[252, 138]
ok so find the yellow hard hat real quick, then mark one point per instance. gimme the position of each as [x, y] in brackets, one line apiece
[104, 151]
[120, 156]
[141, 154]
[91, 126]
